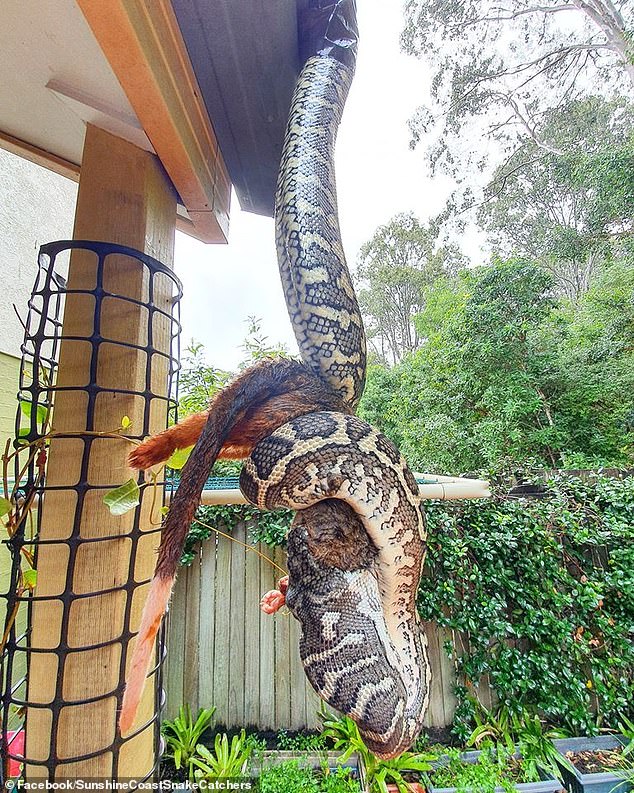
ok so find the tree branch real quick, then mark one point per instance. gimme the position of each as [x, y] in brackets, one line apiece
[532, 10]
[563, 51]
[531, 130]
[507, 14]
[611, 24]
[505, 177]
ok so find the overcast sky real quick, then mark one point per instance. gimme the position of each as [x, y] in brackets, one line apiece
[378, 176]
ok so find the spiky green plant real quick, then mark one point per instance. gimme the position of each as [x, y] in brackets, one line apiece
[183, 734]
[225, 761]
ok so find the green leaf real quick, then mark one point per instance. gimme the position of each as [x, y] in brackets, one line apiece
[179, 458]
[30, 578]
[126, 422]
[41, 412]
[122, 499]
[5, 506]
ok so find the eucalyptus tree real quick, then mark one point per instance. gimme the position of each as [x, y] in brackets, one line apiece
[500, 66]
[395, 269]
[571, 212]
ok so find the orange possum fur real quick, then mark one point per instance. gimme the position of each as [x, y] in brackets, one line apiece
[256, 423]
[258, 401]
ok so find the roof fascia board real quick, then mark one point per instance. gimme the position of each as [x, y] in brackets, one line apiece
[143, 44]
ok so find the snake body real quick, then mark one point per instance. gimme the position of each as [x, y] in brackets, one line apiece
[319, 293]
[362, 646]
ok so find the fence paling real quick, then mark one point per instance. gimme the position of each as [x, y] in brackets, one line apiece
[223, 651]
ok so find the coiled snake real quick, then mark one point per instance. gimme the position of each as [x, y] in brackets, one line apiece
[362, 645]
[356, 547]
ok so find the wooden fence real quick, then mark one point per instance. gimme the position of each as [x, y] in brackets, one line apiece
[223, 651]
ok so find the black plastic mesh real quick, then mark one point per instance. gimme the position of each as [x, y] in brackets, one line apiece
[38, 386]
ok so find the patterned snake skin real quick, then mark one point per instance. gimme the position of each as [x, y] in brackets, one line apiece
[362, 646]
[317, 286]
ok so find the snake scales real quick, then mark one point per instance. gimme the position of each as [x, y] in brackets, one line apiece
[362, 646]
[356, 547]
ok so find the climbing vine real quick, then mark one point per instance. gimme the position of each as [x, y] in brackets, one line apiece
[539, 595]
[269, 528]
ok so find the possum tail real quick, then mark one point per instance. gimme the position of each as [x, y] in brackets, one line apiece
[155, 607]
[160, 448]
[269, 378]
[173, 534]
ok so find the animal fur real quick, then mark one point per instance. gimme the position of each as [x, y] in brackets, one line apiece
[304, 393]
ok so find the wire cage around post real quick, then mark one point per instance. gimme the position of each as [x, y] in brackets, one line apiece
[99, 371]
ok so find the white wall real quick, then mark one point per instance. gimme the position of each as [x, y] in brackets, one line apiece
[36, 206]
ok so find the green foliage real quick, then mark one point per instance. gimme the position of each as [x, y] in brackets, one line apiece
[510, 376]
[290, 777]
[198, 382]
[569, 211]
[491, 770]
[338, 781]
[225, 760]
[626, 728]
[123, 498]
[492, 728]
[543, 592]
[507, 732]
[396, 268]
[270, 528]
[183, 734]
[301, 742]
[536, 746]
[41, 412]
[226, 468]
[345, 735]
[256, 745]
[256, 345]
[625, 771]
[6, 505]
[178, 459]
[266, 527]
[392, 772]
[625, 768]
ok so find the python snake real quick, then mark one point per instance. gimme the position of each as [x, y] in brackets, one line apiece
[356, 547]
[362, 645]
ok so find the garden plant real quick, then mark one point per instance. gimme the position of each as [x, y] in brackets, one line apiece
[490, 770]
[183, 735]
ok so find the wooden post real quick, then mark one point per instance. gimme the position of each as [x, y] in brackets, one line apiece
[124, 197]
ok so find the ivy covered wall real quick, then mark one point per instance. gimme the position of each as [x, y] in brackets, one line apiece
[542, 592]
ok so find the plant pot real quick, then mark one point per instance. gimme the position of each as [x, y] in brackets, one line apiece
[602, 782]
[546, 785]
[415, 787]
